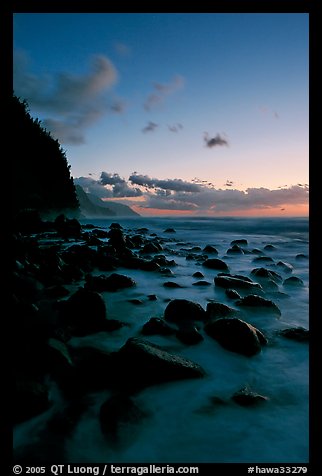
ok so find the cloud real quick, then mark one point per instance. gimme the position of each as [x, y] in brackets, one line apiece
[218, 140]
[175, 127]
[72, 103]
[161, 91]
[150, 127]
[177, 194]
[229, 183]
[177, 185]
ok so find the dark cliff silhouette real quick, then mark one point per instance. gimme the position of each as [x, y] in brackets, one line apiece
[41, 177]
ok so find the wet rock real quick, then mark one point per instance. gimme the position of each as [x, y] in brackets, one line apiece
[232, 294]
[67, 228]
[265, 273]
[253, 300]
[151, 248]
[256, 251]
[136, 302]
[179, 310]
[166, 272]
[117, 239]
[293, 281]
[189, 335]
[171, 284]
[119, 416]
[230, 282]
[157, 326]
[236, 335]
[246, 397]
[301, 257]
[198, 274]
[149, 265]
[169, 230]
[31, 398]
[235, 249]
[85, 312]
[299, 334]
[216, 310]
[269, 247]
[286, 267]
[201, 283]
[215, 263]
[152, 297]
[241, 241]
[116, 225]
[210, 250]
[141, 363]
[111, 283]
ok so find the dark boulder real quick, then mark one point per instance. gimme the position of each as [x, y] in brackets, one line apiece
[301, 257]
[241, 241]
[236, 335]
[198, 274]
[111, 283]
[84, 312]
[253, 300]
[232, 294]
[269, 247]
[189, 335]
[210, 250]
[117, 239]
[171, 284]
[201, 283]
[299, 334]
[286, 267]
[67, 228]
[246, 397]
[264, 273]
[179, 310]
[235, 250]
[215, 263]
[141, 363]
[169, 230]
[151, 248]
[157, 326]
[293, 281]
[216, 310]
[230, 282]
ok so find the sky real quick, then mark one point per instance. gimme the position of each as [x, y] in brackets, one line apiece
[178, 113]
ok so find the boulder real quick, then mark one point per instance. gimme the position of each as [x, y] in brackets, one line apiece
[151, 248]
[264, 273]
[230, 282]
[301, 257]
[210, 250]
[232, 294]
[169, 230]
[179, 310]
[201, 283]
[84, 312]
[253, 300]
[293, 281]
[241, 241]
[157, 326]
[67, 228]
[171, 284]
[141, 363]
[111, 283]
[215, 263]
[299, 334]
[236, 335]
[189, 335]
[286, 267]
[269, 247]
[235, 249]
[216, 310]
[198, 274]
[246, 397]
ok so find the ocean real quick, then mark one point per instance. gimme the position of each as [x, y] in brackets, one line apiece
[182, 424]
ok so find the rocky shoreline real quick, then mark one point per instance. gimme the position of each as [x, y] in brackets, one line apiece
[56, 295]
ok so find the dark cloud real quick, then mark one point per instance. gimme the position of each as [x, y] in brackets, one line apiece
[229, 183]
[218, 140]
[150, 127]
[108, 186]
[161, 91]
[175, 127]
[177, 185]
[111, 179]
[69, 103]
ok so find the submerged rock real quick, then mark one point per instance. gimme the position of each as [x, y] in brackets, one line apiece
[236, 335]
[169, 230]
[299, 334]
[215, 263]
[293, 281]
[111, 283]
[141, 363]
[210, 250]
[216, 310]
[232, 294]
[201, 283]
[246, 397]
[230, 282]
[189, 335]
[253, 300]
[157, 326]
[171, 284]
[179, 310]
[241, 241]
[286, 267]
[235, 249]
[265, 273]
[198, 274]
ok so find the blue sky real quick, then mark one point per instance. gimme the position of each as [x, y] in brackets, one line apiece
[219, 100]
